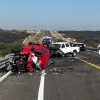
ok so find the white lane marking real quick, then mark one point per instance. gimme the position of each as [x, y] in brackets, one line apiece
[41, 87]
[5, 76]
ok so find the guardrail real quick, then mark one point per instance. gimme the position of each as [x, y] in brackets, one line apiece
[6, 60]
[5, 68]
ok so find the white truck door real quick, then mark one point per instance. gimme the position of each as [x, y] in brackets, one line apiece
[68, 48]
[63, 48]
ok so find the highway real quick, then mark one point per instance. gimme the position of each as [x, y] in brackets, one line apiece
[68, 78]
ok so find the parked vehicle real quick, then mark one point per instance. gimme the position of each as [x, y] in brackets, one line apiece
[81, 45]
[63, 49]
[47, 40]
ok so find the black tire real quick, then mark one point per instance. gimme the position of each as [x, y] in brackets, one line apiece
[20, 66]
[61, 54]
[74, 53]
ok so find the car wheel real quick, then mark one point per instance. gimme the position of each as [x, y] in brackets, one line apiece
[74, 53]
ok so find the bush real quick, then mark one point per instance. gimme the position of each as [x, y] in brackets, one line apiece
[5, 48]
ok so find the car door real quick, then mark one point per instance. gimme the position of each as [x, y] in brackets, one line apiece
[63, 48]
[68, 48]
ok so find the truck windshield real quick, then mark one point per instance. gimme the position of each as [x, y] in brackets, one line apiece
[56, 45]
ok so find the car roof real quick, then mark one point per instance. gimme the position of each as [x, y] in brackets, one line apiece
[47, 37]
[78, 43]
[60, 43]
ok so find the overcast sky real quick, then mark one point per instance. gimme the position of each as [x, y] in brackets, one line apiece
[50, 14]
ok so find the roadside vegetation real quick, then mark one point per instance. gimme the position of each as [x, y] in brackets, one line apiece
[5, 48]
[11, 39]
[90, 38]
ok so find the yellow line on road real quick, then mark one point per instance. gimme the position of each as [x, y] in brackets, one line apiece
[93, 65]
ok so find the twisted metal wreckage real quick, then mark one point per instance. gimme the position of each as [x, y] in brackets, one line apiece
[30, 57]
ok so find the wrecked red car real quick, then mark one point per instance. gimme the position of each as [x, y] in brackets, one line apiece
[30, 57]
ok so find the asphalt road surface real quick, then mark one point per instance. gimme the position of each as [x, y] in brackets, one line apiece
[66, 79]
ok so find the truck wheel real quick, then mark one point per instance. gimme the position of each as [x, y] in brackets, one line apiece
[74, 53]
[63, 55]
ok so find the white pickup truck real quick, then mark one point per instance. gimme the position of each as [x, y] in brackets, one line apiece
[65, 48]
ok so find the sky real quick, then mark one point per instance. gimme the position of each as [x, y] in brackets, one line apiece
[50, 14]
